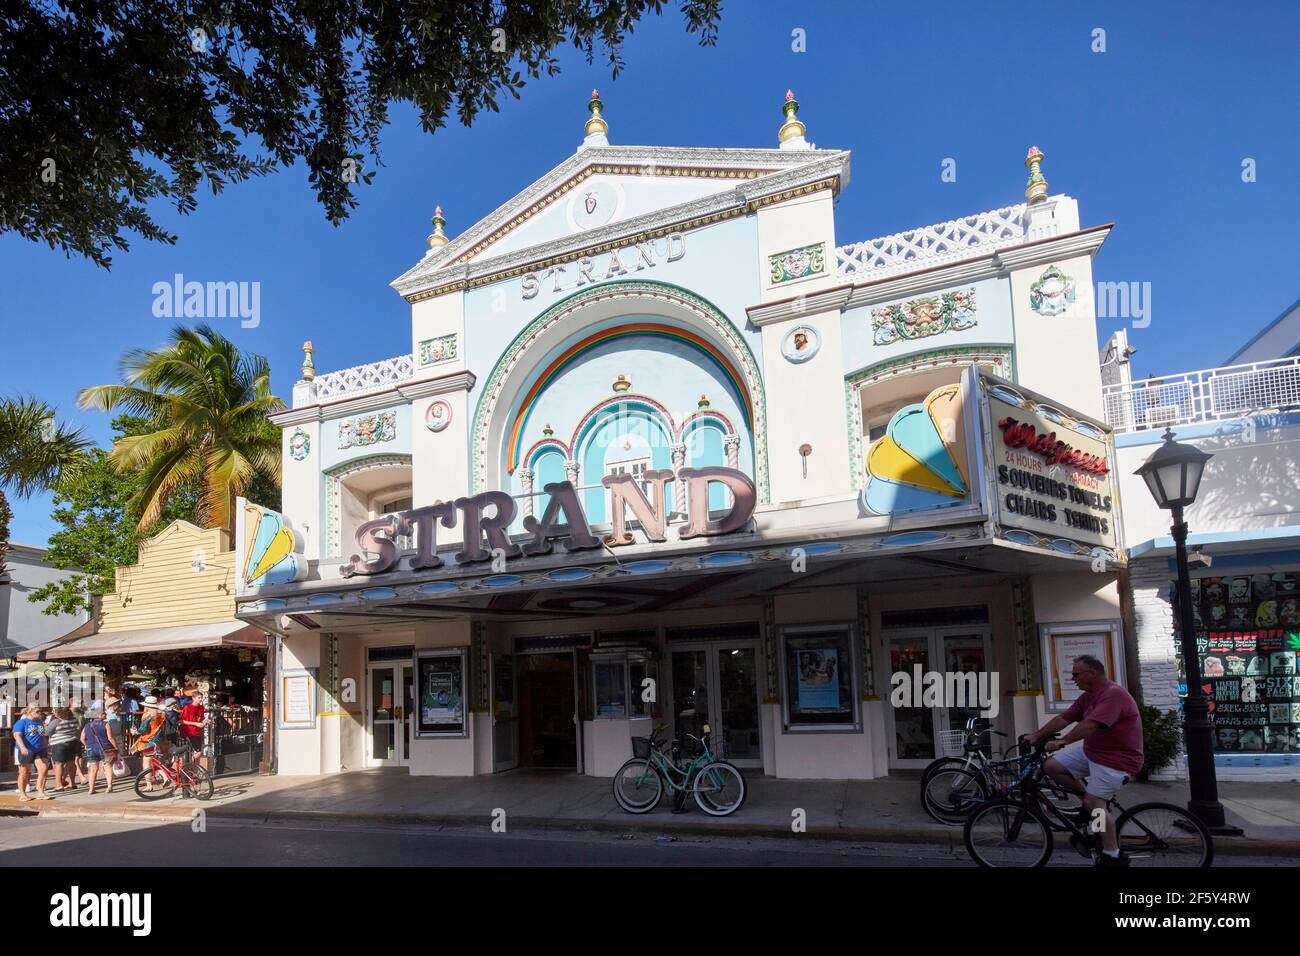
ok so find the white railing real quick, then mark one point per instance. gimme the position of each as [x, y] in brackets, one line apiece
[361, 379]
[940, 244]
[1235, 391]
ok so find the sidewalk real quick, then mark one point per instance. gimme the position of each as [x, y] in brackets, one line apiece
[886, 810]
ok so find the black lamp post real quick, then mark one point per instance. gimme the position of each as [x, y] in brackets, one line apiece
[1173, 475]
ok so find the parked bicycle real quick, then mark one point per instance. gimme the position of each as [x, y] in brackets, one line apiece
[953, 786]
[717, 786]
[164, 776]
[1016, 829]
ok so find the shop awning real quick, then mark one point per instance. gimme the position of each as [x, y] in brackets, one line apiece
[80, 646]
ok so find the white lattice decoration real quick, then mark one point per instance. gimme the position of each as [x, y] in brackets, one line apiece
[944, 242]
[1236, 391]
[365, 378]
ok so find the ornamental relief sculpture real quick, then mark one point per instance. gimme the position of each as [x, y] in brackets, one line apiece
[368, 429]
[921, 318]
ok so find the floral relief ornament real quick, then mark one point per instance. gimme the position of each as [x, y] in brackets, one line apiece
[440, 349]
[368, 429]
[797, 263]
[919, 318]
[1053, 293]
[299, 445]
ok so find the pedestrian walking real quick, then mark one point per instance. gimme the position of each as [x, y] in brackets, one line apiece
[101, 748]
[62, 732]
[31, 749]
[79, 763]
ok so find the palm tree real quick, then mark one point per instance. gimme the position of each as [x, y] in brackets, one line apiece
[36, 452]
[209, 404]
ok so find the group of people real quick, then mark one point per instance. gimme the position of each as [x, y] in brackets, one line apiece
[81, 742]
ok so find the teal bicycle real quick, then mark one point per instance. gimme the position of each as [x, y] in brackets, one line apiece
[717, 786]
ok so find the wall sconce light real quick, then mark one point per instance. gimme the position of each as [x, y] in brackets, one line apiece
[804, 451]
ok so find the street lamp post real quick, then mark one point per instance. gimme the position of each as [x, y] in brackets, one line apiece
[1173, 476]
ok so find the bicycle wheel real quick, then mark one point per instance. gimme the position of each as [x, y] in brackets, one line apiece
[638, 786]
[153, 784]
[719, 788]
[942, 763]
[1161, 834]
[949, 795]
[1007, 833]
[197, 781]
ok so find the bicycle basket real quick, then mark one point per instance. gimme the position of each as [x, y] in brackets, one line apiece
[952, 743]
[641, 747]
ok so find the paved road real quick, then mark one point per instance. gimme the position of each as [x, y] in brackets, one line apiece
[32, 841]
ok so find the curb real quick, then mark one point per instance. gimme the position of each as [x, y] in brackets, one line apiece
[951, 838]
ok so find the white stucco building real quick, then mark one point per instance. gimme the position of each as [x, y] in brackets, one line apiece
[689, 454]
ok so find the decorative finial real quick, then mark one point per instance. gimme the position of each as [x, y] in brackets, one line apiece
[308, 367]
[703, 402]
[1036, 188]
[547, 430]
[791, 134]
[437, 237]
[622, 383]
[596, 129]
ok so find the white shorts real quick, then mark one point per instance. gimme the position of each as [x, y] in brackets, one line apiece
[1103, 782]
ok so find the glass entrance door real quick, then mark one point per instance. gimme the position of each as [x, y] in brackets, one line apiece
[952, 650]
[388, 716]
[717, 683]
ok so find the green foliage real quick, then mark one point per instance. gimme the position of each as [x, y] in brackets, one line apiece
[206, 404]
[97, 529]
[108, 104]
[1161, 736]
[36, 452]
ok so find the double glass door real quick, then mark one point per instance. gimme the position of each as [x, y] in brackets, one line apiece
[717, 683]
[388, 712]
[914, 740]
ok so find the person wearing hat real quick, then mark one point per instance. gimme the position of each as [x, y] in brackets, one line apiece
[152, 725]
[101, 747]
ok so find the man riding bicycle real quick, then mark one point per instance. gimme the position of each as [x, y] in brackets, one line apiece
[1108, 723]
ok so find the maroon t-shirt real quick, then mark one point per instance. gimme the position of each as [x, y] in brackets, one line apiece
[1118, 744]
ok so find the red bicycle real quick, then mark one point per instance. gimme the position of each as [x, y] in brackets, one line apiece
[162, 778]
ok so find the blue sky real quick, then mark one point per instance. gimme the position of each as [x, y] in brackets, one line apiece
[1150, 134]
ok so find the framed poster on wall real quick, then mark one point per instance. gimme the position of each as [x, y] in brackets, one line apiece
[1062, 643]
[440, 682]
[297, 710]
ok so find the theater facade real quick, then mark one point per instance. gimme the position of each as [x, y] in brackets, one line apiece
[664, 449]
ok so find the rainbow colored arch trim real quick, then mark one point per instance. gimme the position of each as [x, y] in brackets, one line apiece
[575, 351]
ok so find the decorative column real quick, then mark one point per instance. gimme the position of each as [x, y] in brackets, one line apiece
[478, 667]
[304, 390]
[731, 445]
[571, 469]
[679, 487]
[769, 651]
[1028, 669]
[526, 476]
[868, 657]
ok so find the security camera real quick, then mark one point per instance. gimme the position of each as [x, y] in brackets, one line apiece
[1199, 559]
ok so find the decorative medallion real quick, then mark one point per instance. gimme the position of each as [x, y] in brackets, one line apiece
[594, 203]
[798, 263]
[919, 318]
[1053, 293]
[368, 429]
[440, 349]
[801, 343]
[299, 445]
[622, 383]
[438, 416]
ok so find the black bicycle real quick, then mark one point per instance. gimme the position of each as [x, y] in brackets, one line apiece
[951, 787]
[1016, 829]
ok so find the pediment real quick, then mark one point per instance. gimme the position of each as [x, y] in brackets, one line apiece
[601, 191]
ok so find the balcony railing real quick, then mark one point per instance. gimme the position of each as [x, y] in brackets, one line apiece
[928, 246]
[1236, 391]
[361, 379]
